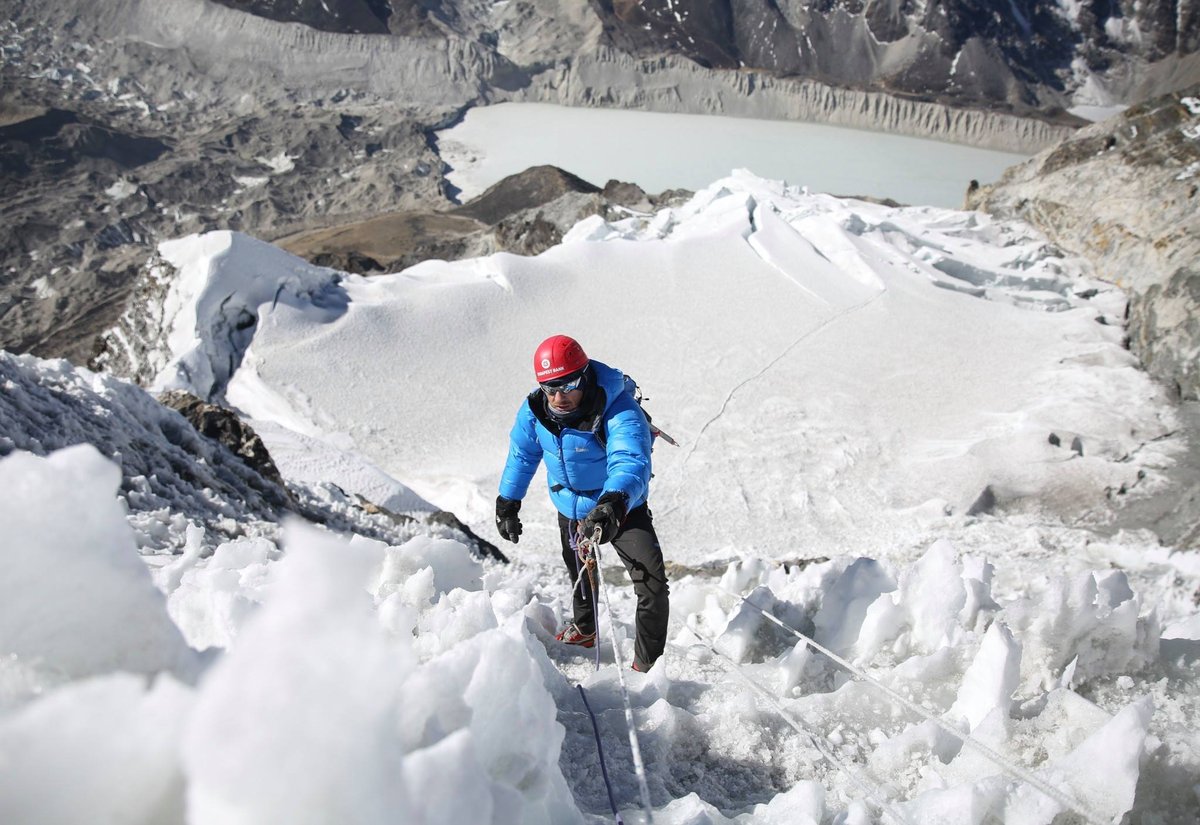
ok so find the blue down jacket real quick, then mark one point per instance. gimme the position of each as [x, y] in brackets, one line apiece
[579, 469]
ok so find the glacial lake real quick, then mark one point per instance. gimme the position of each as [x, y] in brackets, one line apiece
[669, 151]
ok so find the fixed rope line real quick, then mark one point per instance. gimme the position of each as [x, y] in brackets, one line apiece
[591, 547]
[864, 786]
[612, 803]
[1016, 771]
[584, 569]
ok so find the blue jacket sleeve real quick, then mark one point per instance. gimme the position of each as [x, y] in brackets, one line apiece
[628, 449]
[524, 455]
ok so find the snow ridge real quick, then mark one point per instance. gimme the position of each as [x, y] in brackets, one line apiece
[402, 677]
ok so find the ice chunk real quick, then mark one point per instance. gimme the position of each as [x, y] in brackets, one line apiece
[737, 640]
[845, 604]
[1101, 773]
[923, 613]
[802, 804]
[992, 678]
[215, 596]
[297, 721]
[1078, 619]
[76, 597]
[1188, 628]
[101, 750]
[450, 563]
[959, 805]
[320, 713]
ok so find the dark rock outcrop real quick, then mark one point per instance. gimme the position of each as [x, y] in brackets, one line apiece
[532, 188]
[482, 546]
[224, 427]
[526, 214]
[58, 139]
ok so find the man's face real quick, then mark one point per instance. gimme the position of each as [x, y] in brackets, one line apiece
[564, 395]
[564, 402]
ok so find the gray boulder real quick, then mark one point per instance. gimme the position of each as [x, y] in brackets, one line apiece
[1125, 194]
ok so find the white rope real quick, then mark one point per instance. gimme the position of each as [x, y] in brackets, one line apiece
[1016, 771]
[864, 785]
[592, 546]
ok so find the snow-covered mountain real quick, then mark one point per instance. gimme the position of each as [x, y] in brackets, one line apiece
[911, 434]
[129, 122]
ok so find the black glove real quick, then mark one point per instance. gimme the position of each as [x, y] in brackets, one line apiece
[507, 521]
[608, 514]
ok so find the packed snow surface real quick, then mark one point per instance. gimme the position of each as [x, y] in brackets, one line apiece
[903, 433]
[661, 151]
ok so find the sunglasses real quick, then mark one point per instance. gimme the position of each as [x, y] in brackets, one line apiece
[552, 387]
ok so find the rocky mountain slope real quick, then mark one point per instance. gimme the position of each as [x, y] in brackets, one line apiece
[526, 213]
[1023, 54]
[187, 458]
[128, 122]
[132, 121]
[1126, 194]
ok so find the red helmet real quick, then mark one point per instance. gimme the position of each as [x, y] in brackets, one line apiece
[557, 357]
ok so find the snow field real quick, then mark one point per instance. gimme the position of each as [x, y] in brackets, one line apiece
[853, 372]
[364, 663]
[845, 379]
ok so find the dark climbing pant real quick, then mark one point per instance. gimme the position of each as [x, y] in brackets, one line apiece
[637, 545]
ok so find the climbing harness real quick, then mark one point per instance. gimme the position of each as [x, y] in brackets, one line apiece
[585, 562]
[1013, 770]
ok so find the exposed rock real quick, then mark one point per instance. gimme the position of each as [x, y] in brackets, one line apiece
[225, 427]
[1164, 325]
[1027, 54]
[83, 218]
[1126, 195]
[532, 188]
[181, 116]
[346, 16]
[1172, 511]
[58, 138]
[171, 117]
[526, 214]
[484, 547]
[984, 503]
[629, 195]
[387, 243]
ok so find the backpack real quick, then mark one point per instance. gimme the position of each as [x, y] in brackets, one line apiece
[632, 388]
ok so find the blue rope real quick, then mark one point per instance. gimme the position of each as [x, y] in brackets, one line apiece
[600, 749]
